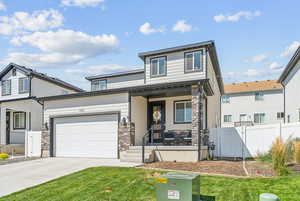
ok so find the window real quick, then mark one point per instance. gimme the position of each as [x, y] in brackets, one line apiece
[280, 115]
[227, 118]
[183, 112]
[225, 99]
[243, 117]
[158, 66]
[99, 85]
[289, 118]
[259, 96]
[14, 72]
[194, 61]
[6, 87]
[19, 120]
[259, 118]
[23, 85]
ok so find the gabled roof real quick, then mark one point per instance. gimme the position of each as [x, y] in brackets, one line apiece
[210, 45]
[290, 66]
[117, 74]
[29, 71]
[243, 87]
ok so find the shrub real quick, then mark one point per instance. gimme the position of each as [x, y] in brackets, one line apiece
[297, 151]
[265, 157]
[3, 156]
[279, 156]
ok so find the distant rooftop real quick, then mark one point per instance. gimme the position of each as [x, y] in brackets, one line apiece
[265, 85]
[117, 74]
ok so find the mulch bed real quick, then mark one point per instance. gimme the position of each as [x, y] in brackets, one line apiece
[226, 168]
[229, 168]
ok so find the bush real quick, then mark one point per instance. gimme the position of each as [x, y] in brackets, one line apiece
[3, 156]
[279, 156]
[265, 157]
[297, 151]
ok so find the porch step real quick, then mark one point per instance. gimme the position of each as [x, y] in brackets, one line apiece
[134, 154]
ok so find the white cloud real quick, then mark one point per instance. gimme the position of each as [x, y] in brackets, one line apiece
[2, 6]
[248, 15]
[42, 59]
[275, 66]
[70, 42]
[100, 69]
[257, 58]
[147, 29]
[22, 22]
[291, 49]
[81, 3]
[62, 47]
[182, 26]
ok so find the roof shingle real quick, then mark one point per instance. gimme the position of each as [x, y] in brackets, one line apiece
[265, 85]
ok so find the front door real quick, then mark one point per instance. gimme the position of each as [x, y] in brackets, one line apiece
[157, 118]
[7, 127]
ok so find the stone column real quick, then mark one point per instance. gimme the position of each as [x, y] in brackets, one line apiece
[126, 135]
[45, 146]
[197, 113]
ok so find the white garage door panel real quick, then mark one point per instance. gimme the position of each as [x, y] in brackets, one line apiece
[87, 136]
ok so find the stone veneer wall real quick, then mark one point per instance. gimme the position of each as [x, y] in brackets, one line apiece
[45, 142]
[126, 135]
[197, 112]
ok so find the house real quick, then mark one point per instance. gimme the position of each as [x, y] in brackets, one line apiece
[258, 102]
[174, 98]
[290, 79]
[20, 109]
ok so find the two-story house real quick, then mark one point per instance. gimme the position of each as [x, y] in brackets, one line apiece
[20, 110]
[290, 79]
[252, 103]
[167, 105]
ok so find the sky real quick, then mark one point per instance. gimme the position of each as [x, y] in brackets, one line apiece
[72, 39]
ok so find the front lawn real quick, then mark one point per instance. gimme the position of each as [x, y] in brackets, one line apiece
[130, 184]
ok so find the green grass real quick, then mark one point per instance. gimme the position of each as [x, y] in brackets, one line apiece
[130, 184]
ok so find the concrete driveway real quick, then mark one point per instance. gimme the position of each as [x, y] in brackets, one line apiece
[18, 176]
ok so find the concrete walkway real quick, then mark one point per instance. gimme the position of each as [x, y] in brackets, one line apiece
[18, 176]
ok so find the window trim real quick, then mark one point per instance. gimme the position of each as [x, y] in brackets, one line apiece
[202, 61]
[99, 81]
[14, 126]
[281, 115]
[8, 94]
[260, 119]
[23, 92]
[166, 64]
[259, 95]
[174, 111]
[223, 99]
[230, 118]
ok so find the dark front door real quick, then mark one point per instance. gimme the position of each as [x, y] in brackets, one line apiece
[157, 118]
[7, 127]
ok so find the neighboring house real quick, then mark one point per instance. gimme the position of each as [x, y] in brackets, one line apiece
[258, 102]
[290, 79]
[169, 102]
[20, 111]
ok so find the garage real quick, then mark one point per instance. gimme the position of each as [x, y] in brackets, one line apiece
[94, 136]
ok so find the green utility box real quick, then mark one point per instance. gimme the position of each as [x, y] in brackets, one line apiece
[177, 186]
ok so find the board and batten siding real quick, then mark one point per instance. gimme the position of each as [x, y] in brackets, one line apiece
[87, 105]
[213, 102]
[42, 88]
[244, 103]
[175, 68]
[292, 95]
[14, 85]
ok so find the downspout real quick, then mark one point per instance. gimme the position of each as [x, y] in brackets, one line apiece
[284, 118]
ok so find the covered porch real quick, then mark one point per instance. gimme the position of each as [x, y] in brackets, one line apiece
[170, 114]
[16, 118]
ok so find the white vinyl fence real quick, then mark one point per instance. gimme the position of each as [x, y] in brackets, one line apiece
[249, 141]
[33, 143]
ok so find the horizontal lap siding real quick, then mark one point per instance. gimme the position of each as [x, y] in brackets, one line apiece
[175, 69]
[125, 81]
[95, 104]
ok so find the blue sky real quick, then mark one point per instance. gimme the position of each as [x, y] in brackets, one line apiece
[72, 39]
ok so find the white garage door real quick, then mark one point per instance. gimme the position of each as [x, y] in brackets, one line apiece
[86, 136]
